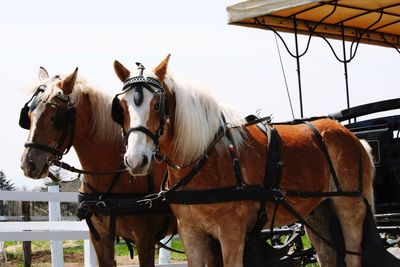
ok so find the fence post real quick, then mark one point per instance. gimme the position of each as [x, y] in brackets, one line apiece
[57, 255]
[26, 245]
[164, 256]
[90, 258]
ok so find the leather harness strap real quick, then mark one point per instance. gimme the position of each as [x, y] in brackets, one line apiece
[318, 138]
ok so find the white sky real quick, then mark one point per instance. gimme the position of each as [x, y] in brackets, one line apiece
[240, 65]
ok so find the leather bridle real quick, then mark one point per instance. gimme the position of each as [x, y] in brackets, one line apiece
[64, 121]
[154, 86]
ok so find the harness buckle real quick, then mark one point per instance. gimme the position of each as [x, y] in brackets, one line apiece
[158, 158]
[278, 195]
[51, 163]
[161, 194]
[147, 201]
[100, 205]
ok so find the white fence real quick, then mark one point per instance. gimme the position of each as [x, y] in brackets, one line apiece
[55, 229]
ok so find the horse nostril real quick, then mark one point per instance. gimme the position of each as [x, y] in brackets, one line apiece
[145, 160]
[127, 162]
[31, 166]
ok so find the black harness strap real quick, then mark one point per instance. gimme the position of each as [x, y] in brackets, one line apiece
[303, 221]
[273, 165]
[130, 244]
[233, 153]
[323, 194]
[113, 182]
[154, 137]
[70, 168]
[92, 229]
[272, 176]
[360, 172]
[150, 183]
[45, 148]
[87, 214]
[218, 195]
[183, 182]
[235, 160]
[317, 136]
[112, 227]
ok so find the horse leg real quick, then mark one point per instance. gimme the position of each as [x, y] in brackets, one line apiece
[351, 212]
[145, 245]
[232, 246]
[196, 246]
[319, 220]
[104, 250]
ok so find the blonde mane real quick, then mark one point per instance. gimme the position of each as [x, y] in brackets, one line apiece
[198, 117]
[103, 128]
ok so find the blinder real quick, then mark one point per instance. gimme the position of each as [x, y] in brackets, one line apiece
[117, 112]
[138, 97]
[62, 117]
[24, 120]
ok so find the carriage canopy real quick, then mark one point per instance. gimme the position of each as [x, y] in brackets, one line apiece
[375, 22]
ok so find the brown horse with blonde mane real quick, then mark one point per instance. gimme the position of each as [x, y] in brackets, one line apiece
[210, 150]
[68, 111]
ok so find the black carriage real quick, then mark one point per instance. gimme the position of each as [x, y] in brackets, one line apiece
[351, 22]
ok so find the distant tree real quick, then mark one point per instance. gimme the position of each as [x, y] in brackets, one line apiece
[67, 183]
[5, 184]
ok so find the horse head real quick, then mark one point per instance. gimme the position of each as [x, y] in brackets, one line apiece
[50, 118]
[143, 110]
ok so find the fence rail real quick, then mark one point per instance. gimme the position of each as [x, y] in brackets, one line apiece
[39, 196]
[55, 229]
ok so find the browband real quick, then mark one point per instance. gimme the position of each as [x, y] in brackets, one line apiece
[141, 80]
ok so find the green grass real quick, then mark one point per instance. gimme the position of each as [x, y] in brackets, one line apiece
[77, 247]
[74, 247]
[177, 244]
[122, 250]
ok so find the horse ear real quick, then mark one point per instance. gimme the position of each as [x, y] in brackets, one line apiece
[67, 85]
[122, 72]
[161, 69]
[43, 74]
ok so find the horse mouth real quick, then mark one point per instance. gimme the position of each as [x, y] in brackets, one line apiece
[138, 171]
[32, 171]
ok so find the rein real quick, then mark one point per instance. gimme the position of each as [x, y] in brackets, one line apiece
[66, 166]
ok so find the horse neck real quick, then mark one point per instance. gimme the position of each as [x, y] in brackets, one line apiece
[94, 154]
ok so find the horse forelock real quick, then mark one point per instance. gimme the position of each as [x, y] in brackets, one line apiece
[198, 117]
[103, 128]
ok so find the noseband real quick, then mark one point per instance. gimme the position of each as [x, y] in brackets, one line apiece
[64, 121]
[138, 83]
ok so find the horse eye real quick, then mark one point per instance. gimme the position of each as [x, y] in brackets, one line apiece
[157, 106]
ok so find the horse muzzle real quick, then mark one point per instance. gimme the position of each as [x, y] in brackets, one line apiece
[34, 165]
[138, 165]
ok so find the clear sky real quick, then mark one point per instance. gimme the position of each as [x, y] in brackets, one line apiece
[240, 65]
